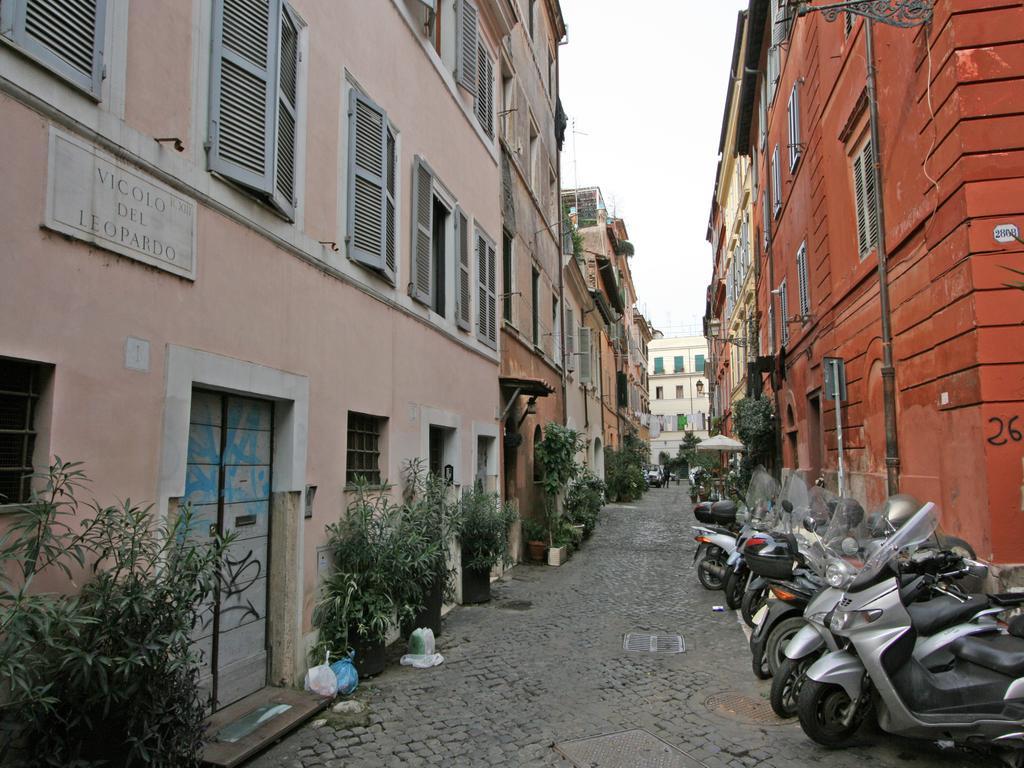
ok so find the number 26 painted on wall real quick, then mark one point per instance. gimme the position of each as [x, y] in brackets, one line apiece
[1006, 432]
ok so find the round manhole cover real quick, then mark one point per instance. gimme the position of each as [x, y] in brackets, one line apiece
[744, 708]
[516, 605]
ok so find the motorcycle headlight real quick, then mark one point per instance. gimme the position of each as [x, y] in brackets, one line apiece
[843, 621]
[839, 575]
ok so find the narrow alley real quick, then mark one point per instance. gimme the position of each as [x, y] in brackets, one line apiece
[543, 665]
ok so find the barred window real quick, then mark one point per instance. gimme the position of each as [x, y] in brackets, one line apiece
[20, 385]
[364, 435]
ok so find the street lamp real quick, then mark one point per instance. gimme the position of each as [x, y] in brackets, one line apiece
[897, 13]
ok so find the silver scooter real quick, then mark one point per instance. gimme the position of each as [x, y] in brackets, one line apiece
[970, 690]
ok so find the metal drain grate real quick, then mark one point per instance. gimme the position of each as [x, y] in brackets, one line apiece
[744, 708]
[642, 643]
[628, 749]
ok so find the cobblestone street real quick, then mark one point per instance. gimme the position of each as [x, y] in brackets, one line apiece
[543, 664]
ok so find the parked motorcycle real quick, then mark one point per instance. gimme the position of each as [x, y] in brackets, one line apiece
[970, 690]
[762, 515]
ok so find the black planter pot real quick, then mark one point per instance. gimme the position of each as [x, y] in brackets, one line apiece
[476, 586]
[370, 657]
[430, 616]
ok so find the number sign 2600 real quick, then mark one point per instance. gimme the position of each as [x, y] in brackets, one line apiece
[1006, 432]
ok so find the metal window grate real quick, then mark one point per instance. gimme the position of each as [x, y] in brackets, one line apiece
[363, 456]
[19, 393]
[636, 642]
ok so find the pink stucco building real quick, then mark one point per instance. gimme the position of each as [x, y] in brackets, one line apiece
[248, 252]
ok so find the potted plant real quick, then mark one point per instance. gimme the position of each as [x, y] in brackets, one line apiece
[428, 526]
[483, 524]
[367, 590]
[556, 457]
[583, 501]
[536, 539]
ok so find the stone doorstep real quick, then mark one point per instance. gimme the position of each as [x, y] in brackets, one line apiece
[224, 755]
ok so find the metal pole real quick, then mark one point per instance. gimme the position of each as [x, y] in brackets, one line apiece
[839, 425]
[892, 450]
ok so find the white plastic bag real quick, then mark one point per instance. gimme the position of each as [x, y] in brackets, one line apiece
[321, 679]
[421, 642]
[421, 661]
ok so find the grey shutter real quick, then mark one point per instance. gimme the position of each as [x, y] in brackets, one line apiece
[243, 91]
[864, 244]
[487, 327]
[764, 112]
[66, 35]
[285, 137]
[422, 233]
[586, 361]
[766, 215]
[462, 296]
[367, 180]
[390, 215]
[467, 44]
[801, 272]
[776, 182]
[485, 91]
[570, 341]
[492, 297]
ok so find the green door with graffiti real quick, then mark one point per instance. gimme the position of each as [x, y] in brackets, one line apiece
[228, 484]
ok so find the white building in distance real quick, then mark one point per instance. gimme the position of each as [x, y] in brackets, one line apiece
[678, 391]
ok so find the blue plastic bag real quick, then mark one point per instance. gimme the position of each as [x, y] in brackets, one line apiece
[345, 671]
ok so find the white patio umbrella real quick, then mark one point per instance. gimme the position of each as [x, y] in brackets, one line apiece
[720, 443]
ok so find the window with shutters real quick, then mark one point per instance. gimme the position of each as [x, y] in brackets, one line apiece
[508, 112]
[784, 312]
[755, 180]
[586, 356]
[533, 158]
[372, 232]
[766, 215]
[467, 45]
[699, 364]
[776, 183]
[21, 386]
[254, 99]
[802, 281]
[556, 336]
[659, 365]
[487, 292]
[678, 364]
[365, 437]
[535, 305]
[506, 276]
[485, 91]
[65, 36]
[764, 112]
[570, 340]
[680, 392]
[773, 72]
[795, 147]
[464, 290]
[847, 23]
[439, 257]
[864, 201]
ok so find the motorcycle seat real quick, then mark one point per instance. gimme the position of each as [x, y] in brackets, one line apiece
[943, 611]
[1000, 653]
[720, 529]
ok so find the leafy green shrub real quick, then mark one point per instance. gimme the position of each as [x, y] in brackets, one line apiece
[108, 676]
[483, 524]
[556, 458]
[380, 561]
[624, 469]
[533, 530]
[584, 500]
[429, 523]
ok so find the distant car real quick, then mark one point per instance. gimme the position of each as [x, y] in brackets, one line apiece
[655, 477]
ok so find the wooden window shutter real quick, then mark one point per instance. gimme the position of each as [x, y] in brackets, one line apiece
[467, 45]
[795, 148]
[421, 281]
[570, 341]
[487, 304]
[784, 308]
[390, 215]
[801, 271]
[285, 144]
[485, 91]
[65, 35]
[243, 91]
[586, 359]
[368, 168]
[776, 182]
[766, 215]
[462, 296]
[869, 196]
[864, 244]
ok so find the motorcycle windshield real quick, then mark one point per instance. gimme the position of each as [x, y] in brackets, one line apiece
[762, 495]
[915, 531]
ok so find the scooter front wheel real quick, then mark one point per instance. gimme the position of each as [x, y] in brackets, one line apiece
[751, 603]
[825, 715]
[735, 586]
[787, 683]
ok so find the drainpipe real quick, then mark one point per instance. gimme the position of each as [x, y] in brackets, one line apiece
[892, 450]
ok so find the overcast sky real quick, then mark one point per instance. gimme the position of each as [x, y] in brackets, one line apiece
[645, 80]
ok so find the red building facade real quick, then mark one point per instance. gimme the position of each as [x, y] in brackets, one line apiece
[949, 128]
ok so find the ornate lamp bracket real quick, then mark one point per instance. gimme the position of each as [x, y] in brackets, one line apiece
[898, 13]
